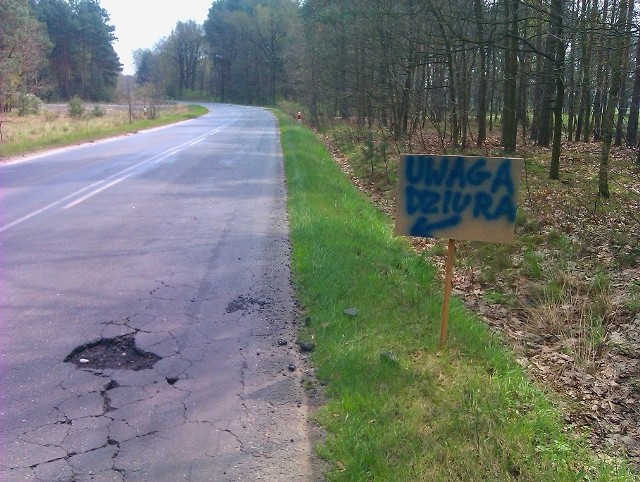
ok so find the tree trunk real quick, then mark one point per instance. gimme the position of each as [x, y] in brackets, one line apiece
[537, 90]
[549, 74]
[465, 94]
[571, 107]
[622, 96]
[482, 72]
[522, 116]
[492, 98]
[509, 125]
[634, 109]
[556, 18]
[586, 41]
[601, 78]
[587, 87]
[614, 89]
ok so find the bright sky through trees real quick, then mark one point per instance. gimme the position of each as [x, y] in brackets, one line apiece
[141, 23]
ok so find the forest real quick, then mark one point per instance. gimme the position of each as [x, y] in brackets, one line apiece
[55, 49]
[545, 67]
[536, 70]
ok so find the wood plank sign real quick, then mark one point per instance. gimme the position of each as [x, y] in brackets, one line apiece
[457, 197]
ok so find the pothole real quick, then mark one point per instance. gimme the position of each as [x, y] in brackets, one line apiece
[243, 302]
[172, 380]
[118, 353]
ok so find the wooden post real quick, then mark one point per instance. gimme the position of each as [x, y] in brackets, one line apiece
[448, 276]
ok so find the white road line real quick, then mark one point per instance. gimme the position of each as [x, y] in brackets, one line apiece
[153, 160]
[48, 206]
[97, 191]
[28, 216]
[110, 181]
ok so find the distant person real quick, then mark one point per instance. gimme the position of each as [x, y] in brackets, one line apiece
[299, 118]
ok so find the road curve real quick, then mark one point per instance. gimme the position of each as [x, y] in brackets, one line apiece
[175, 239]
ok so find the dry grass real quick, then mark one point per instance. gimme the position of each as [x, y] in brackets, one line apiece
[54, 127]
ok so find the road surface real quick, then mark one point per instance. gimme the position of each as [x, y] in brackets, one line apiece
[175, 240]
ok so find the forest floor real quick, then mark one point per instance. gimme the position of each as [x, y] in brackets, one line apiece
[566, 294]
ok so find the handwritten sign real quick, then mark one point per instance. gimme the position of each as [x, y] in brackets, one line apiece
[456, 197]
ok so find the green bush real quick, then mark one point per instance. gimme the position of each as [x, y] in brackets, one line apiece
[98, 111]
[76, 108]
[28, 104]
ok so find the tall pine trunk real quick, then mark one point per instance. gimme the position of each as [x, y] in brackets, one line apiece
[634, 109]
[556, 19]
[615, 63]
[622, 97]
[599, 102]
[548, 82]
[482, 72]
[509, 124]
[537, 89]
[586, 41]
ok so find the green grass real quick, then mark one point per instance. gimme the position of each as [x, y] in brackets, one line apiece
[632, 302]
[398, 407]
[48, 131]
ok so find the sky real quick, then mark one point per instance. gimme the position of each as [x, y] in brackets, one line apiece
[141, 23]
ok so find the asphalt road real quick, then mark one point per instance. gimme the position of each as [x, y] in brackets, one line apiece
[175, 238]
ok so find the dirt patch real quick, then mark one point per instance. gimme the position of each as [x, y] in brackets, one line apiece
[118, 353]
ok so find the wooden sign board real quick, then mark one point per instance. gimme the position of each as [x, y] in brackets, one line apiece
[457, 197]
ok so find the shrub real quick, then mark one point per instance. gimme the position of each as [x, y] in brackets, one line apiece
[76, 107]
[98, 111]
[28, 104]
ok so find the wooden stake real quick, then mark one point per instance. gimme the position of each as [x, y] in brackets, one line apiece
[448, 277]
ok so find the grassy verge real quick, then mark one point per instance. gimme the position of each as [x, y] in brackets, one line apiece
[49, 129]
[399, 408]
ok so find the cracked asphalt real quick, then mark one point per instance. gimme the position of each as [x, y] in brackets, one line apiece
[177, 239]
